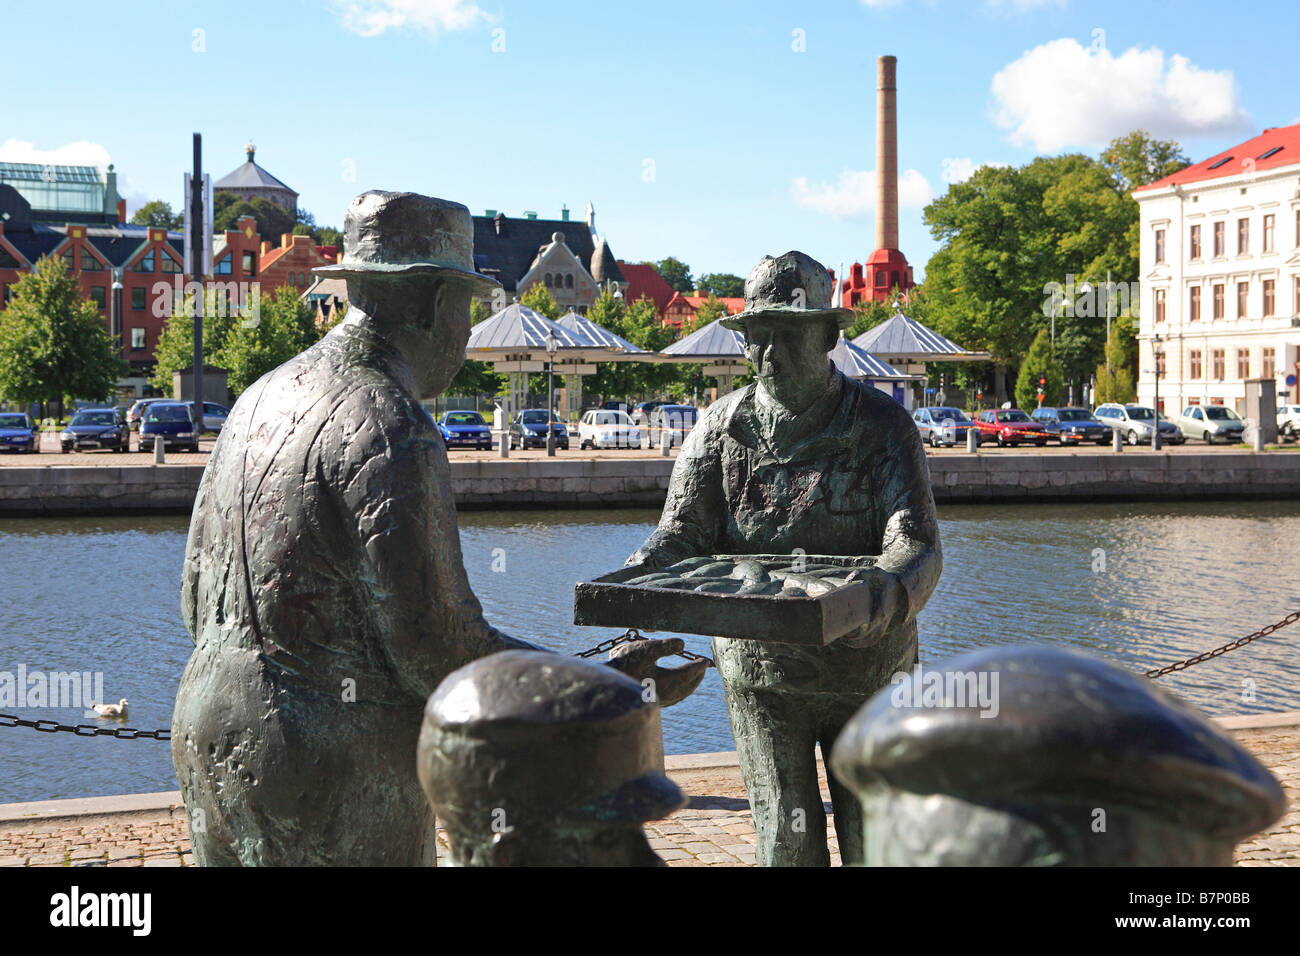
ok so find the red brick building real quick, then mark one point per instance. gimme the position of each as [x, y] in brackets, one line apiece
[682, 308]
[291, 262]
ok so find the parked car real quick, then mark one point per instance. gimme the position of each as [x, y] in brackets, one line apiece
[1071, 425]
[675, 421]
[1009, 426]
[942, 425]
[214, 415]
[529, 430]
[1288, 421]
[601, 428]
[136, 411]
[641, 412]
[96, 428]
[1134, 423]
[171, 423]
[616, 406]
[18, 433]
[1212, 423]
[461, 429]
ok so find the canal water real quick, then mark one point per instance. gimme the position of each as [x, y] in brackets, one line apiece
[1140, 585]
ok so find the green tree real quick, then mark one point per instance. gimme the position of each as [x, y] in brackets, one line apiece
[474, 377]
[676, 273]
[285, 325]
[1040, 363]
[53, 342]
[175, 349]
[710, 310]
[539, 299]
[1137, 159]
[1118, 383]
[723, 284]
[158, 213]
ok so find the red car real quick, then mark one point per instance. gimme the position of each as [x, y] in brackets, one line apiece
[1010, 426]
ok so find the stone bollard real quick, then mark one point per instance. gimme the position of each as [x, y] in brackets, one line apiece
[1258, 438]
[665, 443]
[1034, 756]
[503, 445]
[1155, 437]
[972, 440]
[1116, 440]
[535, 759]
[159, 450]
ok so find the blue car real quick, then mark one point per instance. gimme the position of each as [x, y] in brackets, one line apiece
[171, 423]
[1076, 425]
[19, 433]
[465, 429]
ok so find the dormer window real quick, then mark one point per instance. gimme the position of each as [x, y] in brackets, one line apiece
[89, 263]
[145, 264]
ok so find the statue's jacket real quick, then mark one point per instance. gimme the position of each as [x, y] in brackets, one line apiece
[860, 486]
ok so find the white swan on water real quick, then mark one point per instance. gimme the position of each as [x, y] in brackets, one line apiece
[112, 710]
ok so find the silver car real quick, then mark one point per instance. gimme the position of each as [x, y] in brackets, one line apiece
[1212, 423]
[942, 425]
[1134, 423]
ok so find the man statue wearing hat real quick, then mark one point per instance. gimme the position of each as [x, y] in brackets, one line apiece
[806, 461]
[1039, 756]
[323, 583]
[534, 759]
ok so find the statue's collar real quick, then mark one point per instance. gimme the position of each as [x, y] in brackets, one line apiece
[744, 427]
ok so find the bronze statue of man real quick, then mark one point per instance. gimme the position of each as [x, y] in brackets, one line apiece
[805, 460]
[323, 583]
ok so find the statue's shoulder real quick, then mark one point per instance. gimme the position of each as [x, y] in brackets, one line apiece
[717, 415]
[871, 403]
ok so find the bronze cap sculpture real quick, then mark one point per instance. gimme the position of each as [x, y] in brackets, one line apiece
[805, 461]
[1081, 763]
[535, 759]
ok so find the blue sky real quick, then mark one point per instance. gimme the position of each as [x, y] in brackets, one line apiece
[714, 131]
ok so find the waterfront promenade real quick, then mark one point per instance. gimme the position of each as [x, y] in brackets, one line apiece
[714, 830]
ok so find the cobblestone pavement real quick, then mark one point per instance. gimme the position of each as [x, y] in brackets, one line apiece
[714, 830]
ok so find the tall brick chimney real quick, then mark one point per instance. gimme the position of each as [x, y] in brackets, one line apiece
[886, 153]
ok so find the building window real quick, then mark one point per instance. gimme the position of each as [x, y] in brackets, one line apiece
[546, 279]
[97, 296]
[137, 298]
[89, 263]
[1268, 298]
[1269, 369]
[145, 264]
[137, 339]
[1268, 233]
[1218, 300]
[568, 281]
[1194, 243]
[67, 259]
[225, 265]
[249, 263]
[7, 260]
[1218, 239]
[170, 265]
[1216, 358]
[880, 278]
[1194, 304]
[1243, 236]
[1242, 289]
[1243, 363]
[1160, 245]
[1194, 363]
[1160, 305]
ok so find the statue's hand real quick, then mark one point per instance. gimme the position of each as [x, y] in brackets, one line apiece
[670, 685]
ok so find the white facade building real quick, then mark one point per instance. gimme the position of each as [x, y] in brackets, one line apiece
[1220, 276]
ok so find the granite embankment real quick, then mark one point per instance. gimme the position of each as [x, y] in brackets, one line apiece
[634, 481]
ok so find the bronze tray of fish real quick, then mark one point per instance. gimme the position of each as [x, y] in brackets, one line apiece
[809, 599]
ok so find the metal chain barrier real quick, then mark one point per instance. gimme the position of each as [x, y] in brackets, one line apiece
[84, 730]
[630, 635]
[1241, 642]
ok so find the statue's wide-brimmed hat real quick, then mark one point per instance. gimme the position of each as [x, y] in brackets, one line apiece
[405, 234]
[547, 737]
[794, 286]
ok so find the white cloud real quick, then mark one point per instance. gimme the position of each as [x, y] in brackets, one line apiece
[1021, 6]
[81, 153]
[1062, 95]
[958, 169]
[370, 18]
[878, 4]
[853, 196]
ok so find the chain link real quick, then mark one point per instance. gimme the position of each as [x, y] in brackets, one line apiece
[1240, 642]
[84, 730]
[630, 635]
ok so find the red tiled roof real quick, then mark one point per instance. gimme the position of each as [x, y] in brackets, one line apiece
[1279, 146]
[645, 280]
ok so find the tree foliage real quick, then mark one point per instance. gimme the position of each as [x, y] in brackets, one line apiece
[676, 273]
[285, 326]
[158, 213]
[1118, 383]
[722, 284]
[1039, 363]
[53, 342]
[175, 349]
[538, 298]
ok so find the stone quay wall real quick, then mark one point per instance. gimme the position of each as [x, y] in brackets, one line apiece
[634, 482]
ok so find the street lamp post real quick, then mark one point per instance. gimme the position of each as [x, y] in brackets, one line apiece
[117, 309]
[1155, 361]
[552, 346]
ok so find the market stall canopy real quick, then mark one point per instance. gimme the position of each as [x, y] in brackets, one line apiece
[518, 329]
[902, 338]
[583, 326]
[710, 343]
[857, 362]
